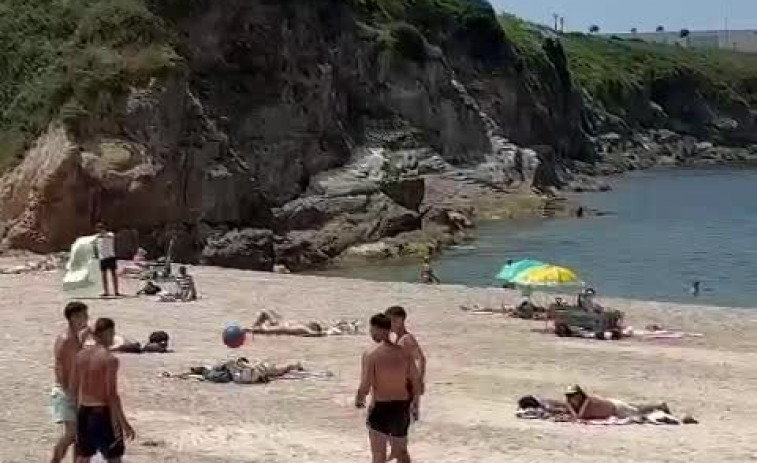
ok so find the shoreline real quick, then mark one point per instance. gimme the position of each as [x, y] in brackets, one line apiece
[512, 295]
[404, 265]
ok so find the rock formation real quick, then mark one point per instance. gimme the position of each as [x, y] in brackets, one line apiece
[287, 133]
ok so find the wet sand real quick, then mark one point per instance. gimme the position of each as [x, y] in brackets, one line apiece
[478, 366]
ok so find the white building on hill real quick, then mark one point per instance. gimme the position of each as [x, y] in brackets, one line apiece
[738, 40]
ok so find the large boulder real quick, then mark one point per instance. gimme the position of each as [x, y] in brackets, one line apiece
[169, 167]
[407, 192]
[47, 201]
[337, 224]
[297, 251]
[249, 249]
[312, 212]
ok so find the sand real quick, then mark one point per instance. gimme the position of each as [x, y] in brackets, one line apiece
[478, 367]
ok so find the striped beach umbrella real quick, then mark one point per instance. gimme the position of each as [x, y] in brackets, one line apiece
[509, 272]
[548, 275]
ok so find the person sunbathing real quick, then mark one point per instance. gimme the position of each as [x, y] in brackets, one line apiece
[583, 408]
[586, 407]
[526, 310]
[271, 323]
[240, 371]
[157, 343]
[477, 309]
[244, 372]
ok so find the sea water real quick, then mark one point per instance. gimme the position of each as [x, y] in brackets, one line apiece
[665, 229]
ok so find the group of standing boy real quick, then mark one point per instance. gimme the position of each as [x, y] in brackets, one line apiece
[86, 402]
[85, 399]
[393, 372]
[85, 396]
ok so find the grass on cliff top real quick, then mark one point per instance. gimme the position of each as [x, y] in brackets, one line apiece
[601, 63]
[71, 58]
[433, 18]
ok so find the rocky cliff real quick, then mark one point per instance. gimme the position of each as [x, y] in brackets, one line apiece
[284, 132]
[259, 132]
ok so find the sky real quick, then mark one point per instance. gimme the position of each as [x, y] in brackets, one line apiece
[645, 15]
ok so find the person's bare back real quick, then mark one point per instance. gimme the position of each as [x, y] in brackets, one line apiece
[389, 370]
[94, 368]
[101, 425]
[389, 374]
[409, 344]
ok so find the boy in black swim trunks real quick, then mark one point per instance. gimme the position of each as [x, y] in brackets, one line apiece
[387, 369]
[101, 425]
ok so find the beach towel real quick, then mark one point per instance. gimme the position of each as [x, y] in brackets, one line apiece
[659, 334]
[657, 417]
[82, 278]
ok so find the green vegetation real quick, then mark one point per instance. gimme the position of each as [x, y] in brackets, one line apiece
[433, 18]
[76, 59]
[408, 42]
[73, 58]
[615, 70]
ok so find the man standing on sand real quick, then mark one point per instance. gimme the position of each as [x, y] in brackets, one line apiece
[105, 251]
[101, 425]
[67, 346]
[407, 341]
[386, 372]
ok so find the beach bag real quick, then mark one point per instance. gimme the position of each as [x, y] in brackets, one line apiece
[217, 375]
[158, 337]
[150, 289]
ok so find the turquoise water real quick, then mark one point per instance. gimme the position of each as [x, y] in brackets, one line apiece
[667, 229]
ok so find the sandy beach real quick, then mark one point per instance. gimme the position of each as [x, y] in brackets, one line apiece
[478, 366]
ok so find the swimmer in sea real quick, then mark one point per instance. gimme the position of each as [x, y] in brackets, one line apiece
[427, 273]
[696, 288]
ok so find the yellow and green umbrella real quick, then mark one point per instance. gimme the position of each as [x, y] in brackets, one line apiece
[547, 275]
[510, 271]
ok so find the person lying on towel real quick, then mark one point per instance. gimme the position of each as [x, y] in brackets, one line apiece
[271, 323]
[585, 407]
[157, 343]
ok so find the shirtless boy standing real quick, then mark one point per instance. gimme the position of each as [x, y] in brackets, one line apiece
[67, 345]
[100, 421]
[407, 341]
[386, 371]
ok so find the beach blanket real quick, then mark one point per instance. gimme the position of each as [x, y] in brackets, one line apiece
[659, 334]
[657, 417]
[82, 278]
